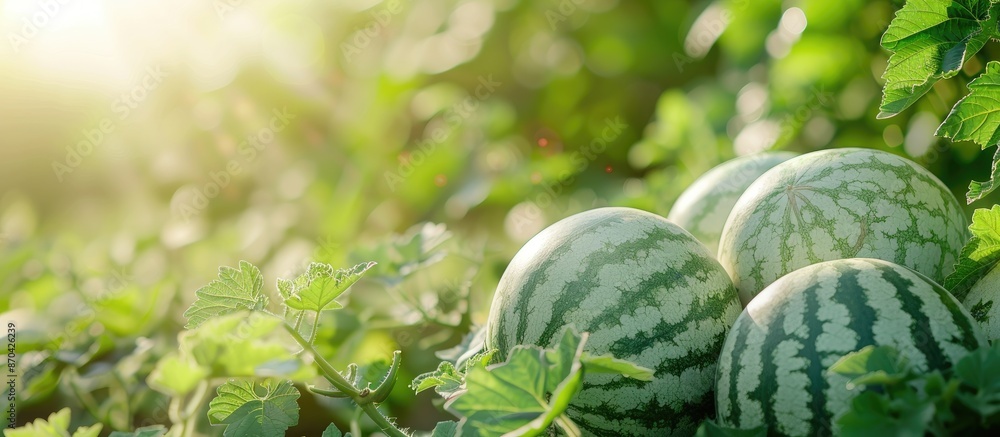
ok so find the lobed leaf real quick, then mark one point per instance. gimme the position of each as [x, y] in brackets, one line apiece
[56, 425]
[319, 286]
[445, 429]
[524, 395]
[882, 365]
[235, 290]
[246, 413]
[333, 431]
[446, 380]
[873, 415]
[980, 255]
[977, 118]
[931, 40]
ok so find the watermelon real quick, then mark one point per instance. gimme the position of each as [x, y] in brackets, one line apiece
[773, 366]
[982, 303]
[703, 207]
[836, 204]
[646, 291]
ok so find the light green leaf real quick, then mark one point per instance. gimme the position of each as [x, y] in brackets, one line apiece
[980, 255]
[523, 395]
[146, 431]
[235, 290]
[610, 364]
[230, 346]
[247, 413]
[446, 380]
[332, 431]
[472, 344]
[93, 431]
[977, 118]
[445, 429]
[56, 425]
[979, 189]
[176, 374]
[930, 40]
[316, 289]
[882, 365]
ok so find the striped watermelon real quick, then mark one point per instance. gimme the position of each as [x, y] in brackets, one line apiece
[982, 303]
[841, 203]
[647, 291]
[773, 367]
[703, 207]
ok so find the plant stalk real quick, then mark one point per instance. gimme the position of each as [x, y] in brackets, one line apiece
[346, 387]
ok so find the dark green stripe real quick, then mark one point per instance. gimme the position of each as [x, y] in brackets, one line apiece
[821, 417]
[741, 329]
[576, 291]
[861, 316]
[764, 392]
[921, 328]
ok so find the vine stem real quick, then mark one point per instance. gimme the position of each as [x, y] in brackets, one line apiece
[345, 386]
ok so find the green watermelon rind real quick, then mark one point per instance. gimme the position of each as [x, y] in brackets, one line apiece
[647, 291]
[768, 372]
[702, 209]
[837, 204]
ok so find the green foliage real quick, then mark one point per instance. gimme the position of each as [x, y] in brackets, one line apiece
[525, 394]
[235, 290]
[316, 289]
[246, 412]
[977, 118]
[896, 399]
[332, 431]
[57, 425]
[931, 40]
[980, 255]
[97, 265]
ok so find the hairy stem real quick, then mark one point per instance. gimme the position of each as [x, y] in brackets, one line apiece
[338, 382]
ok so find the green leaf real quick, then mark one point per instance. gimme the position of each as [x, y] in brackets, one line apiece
[235, 290]
[472, 344]
[95, 430]
[332, 431]
[977, 118]
[146, 431]
[609, 364]
[882, 365]
[981, 368]
[709, 428]
[445, 429]
[247, 413]
[56, 425]
[176, 374]
[446, 380]
[523, 395]
[872, 415]
[233, 345]
[980, 255]
[320, 285]
[930, 40]
[979, 189]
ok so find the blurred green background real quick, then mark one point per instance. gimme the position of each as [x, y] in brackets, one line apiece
[146, 143]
